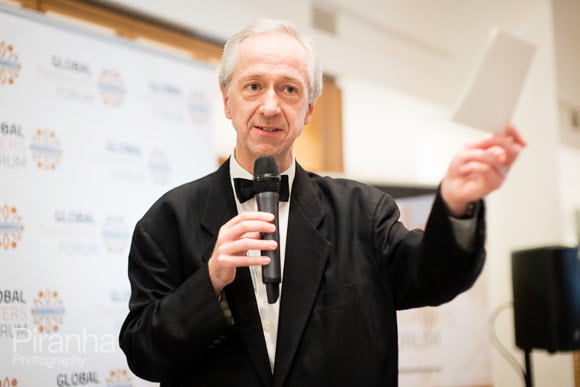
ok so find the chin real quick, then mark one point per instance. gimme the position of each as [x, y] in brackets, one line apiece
[267, 151]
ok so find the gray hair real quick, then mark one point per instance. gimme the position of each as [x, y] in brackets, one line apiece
[229, 55]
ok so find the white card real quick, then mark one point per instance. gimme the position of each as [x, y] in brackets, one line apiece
[490, 99]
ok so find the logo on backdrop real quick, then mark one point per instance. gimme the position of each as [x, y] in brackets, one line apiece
[120, 296]
[116, 234]
[9, 382]
[48, 311]
[127, 162]
[12, 145]
[159, 166]
[9, 64]
[420, 330]
[111, 87]
[199, 108]
[70, 65]
[14, 313]
[77, 379]
[113, 308]
[46, 149]
[70, 78]
[75, 231]
[11, 227]
[167, 101]
[119, 378]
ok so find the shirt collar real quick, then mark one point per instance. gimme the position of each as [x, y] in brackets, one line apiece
[236, 171]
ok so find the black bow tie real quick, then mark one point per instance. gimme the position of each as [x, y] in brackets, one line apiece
[245, 189]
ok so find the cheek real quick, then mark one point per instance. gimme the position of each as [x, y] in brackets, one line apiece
[243, 110]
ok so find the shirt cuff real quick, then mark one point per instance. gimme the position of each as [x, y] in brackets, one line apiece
[225, 308]
[464, 228]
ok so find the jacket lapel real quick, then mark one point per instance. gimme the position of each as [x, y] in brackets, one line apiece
[306, 256]
[221, 207]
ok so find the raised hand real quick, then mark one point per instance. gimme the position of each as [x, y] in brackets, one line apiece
[480, 168]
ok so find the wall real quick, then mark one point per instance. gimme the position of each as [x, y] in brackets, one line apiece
[567, 33]
[397, 138]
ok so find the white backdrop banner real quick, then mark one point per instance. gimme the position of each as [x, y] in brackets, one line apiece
[446, 346]
[92, 131]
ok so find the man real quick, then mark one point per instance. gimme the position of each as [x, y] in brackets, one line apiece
[198, 310]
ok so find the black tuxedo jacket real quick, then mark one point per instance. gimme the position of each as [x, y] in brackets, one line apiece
[349, 266]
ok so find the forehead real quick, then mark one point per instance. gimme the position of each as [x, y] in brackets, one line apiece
[273, 53]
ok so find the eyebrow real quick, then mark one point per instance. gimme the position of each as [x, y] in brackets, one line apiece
[261, 75]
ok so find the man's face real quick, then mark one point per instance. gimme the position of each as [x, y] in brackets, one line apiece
[267, 99]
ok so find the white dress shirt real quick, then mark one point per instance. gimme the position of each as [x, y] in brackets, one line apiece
[268, 312]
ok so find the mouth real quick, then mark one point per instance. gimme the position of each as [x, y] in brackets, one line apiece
[268, 129]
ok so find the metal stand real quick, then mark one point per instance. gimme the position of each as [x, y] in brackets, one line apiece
[529, 377]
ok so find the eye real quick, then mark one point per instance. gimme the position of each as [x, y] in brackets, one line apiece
[290, 89]
[253, 86]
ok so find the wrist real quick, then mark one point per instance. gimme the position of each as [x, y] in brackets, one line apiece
[457, 206]
[218, 289]
[466, 211]
[217, 285]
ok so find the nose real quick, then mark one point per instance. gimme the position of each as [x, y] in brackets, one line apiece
[270, 104]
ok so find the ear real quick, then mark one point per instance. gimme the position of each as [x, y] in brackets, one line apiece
[308, 115]
[226, 98]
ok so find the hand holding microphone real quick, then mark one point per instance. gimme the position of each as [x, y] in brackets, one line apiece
[252, 231]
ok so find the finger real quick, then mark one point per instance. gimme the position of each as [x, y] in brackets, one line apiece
[257, 215]
[516, 135]
[489, 140]
[485, 170]
[247, 226]
[499, 153]
[494, 156]
[511, 136]
[513, 151]
[251, 215]
[510, 145]
[232, 261]
[241, 246]
[252, 235]
[518, 143]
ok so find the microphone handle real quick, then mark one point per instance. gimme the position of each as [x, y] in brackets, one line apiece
[271, 273]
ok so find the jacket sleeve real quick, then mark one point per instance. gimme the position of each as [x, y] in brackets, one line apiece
[430, 267]
[173, 321]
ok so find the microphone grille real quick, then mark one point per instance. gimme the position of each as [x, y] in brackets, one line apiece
[265, 166]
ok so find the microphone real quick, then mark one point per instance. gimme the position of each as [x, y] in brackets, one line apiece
[267, 190]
